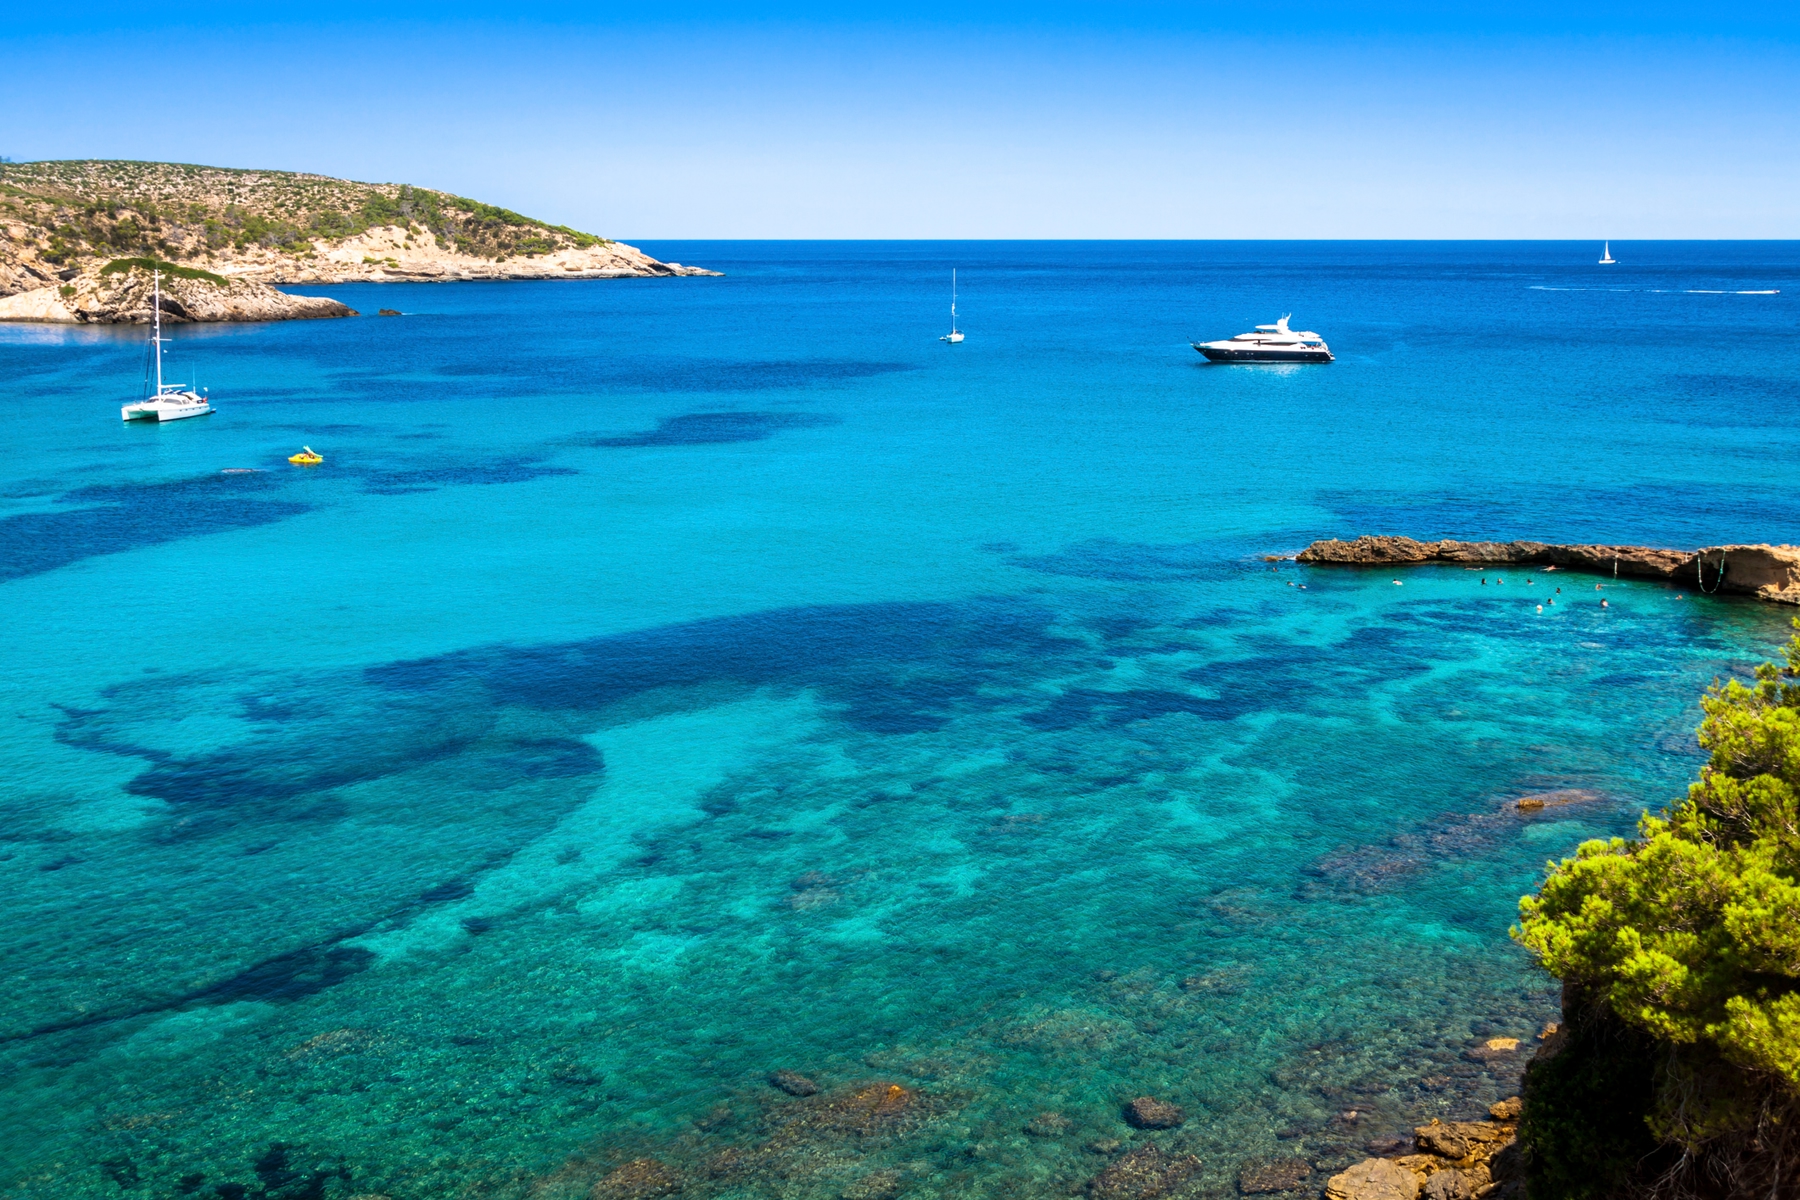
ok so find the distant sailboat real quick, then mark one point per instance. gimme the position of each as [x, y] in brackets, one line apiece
[1606, 258]
[955, 334]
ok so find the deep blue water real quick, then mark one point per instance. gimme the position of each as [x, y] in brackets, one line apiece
[665, 682]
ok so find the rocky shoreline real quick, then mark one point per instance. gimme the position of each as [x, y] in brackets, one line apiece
[127, 297]
[66, 226]
[1767, 572]
[240, 288]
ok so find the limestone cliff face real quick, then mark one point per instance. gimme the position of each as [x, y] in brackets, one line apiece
[60, 222]
[1767, 572]
[125, 298]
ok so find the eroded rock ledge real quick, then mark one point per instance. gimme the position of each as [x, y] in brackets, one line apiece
[126, 297]
[1461, 1160]
[1767, 572]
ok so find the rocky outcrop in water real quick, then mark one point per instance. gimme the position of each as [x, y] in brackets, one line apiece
[1767, 572]
[125, 297]
[1456, 1160]
[1373, 1179]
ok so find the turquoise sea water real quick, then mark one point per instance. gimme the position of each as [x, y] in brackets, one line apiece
[663, 683]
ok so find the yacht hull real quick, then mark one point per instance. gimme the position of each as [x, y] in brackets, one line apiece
[133, 412]
[1237, 354]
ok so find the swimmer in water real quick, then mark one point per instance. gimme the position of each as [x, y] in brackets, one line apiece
[1396, 583]
[1540, 608]
[1603, 604]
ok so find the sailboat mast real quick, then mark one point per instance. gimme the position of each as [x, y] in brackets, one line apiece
[156, 326]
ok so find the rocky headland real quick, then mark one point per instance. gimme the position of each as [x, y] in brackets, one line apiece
[1766, 572]
[63, 224]
[125, 294]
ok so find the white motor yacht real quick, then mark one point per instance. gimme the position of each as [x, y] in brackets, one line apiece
[1268, 343]
[170, 401]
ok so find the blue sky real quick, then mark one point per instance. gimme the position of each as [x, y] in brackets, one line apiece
[693, 120]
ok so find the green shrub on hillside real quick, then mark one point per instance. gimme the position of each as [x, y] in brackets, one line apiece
[1689, 936]
[167, 268]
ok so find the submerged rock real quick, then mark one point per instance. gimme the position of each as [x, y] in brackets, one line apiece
[639, 1179]
[879, 1185]
[1273, 1175]
[793, 1083]
[1493, 1049]
[1148, 1113]
[814, 889]
[861, 1110]
[1048, 1125]
[1144, 1174]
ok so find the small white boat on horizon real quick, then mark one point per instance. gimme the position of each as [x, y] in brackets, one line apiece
[1606, 258]
[955, 334]
[170, 401]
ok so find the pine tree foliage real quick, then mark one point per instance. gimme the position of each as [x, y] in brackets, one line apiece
[1690, 934]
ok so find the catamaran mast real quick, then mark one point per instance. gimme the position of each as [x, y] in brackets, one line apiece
[156, 319]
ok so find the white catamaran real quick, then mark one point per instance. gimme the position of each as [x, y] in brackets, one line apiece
[955, 334]
[170, 401]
